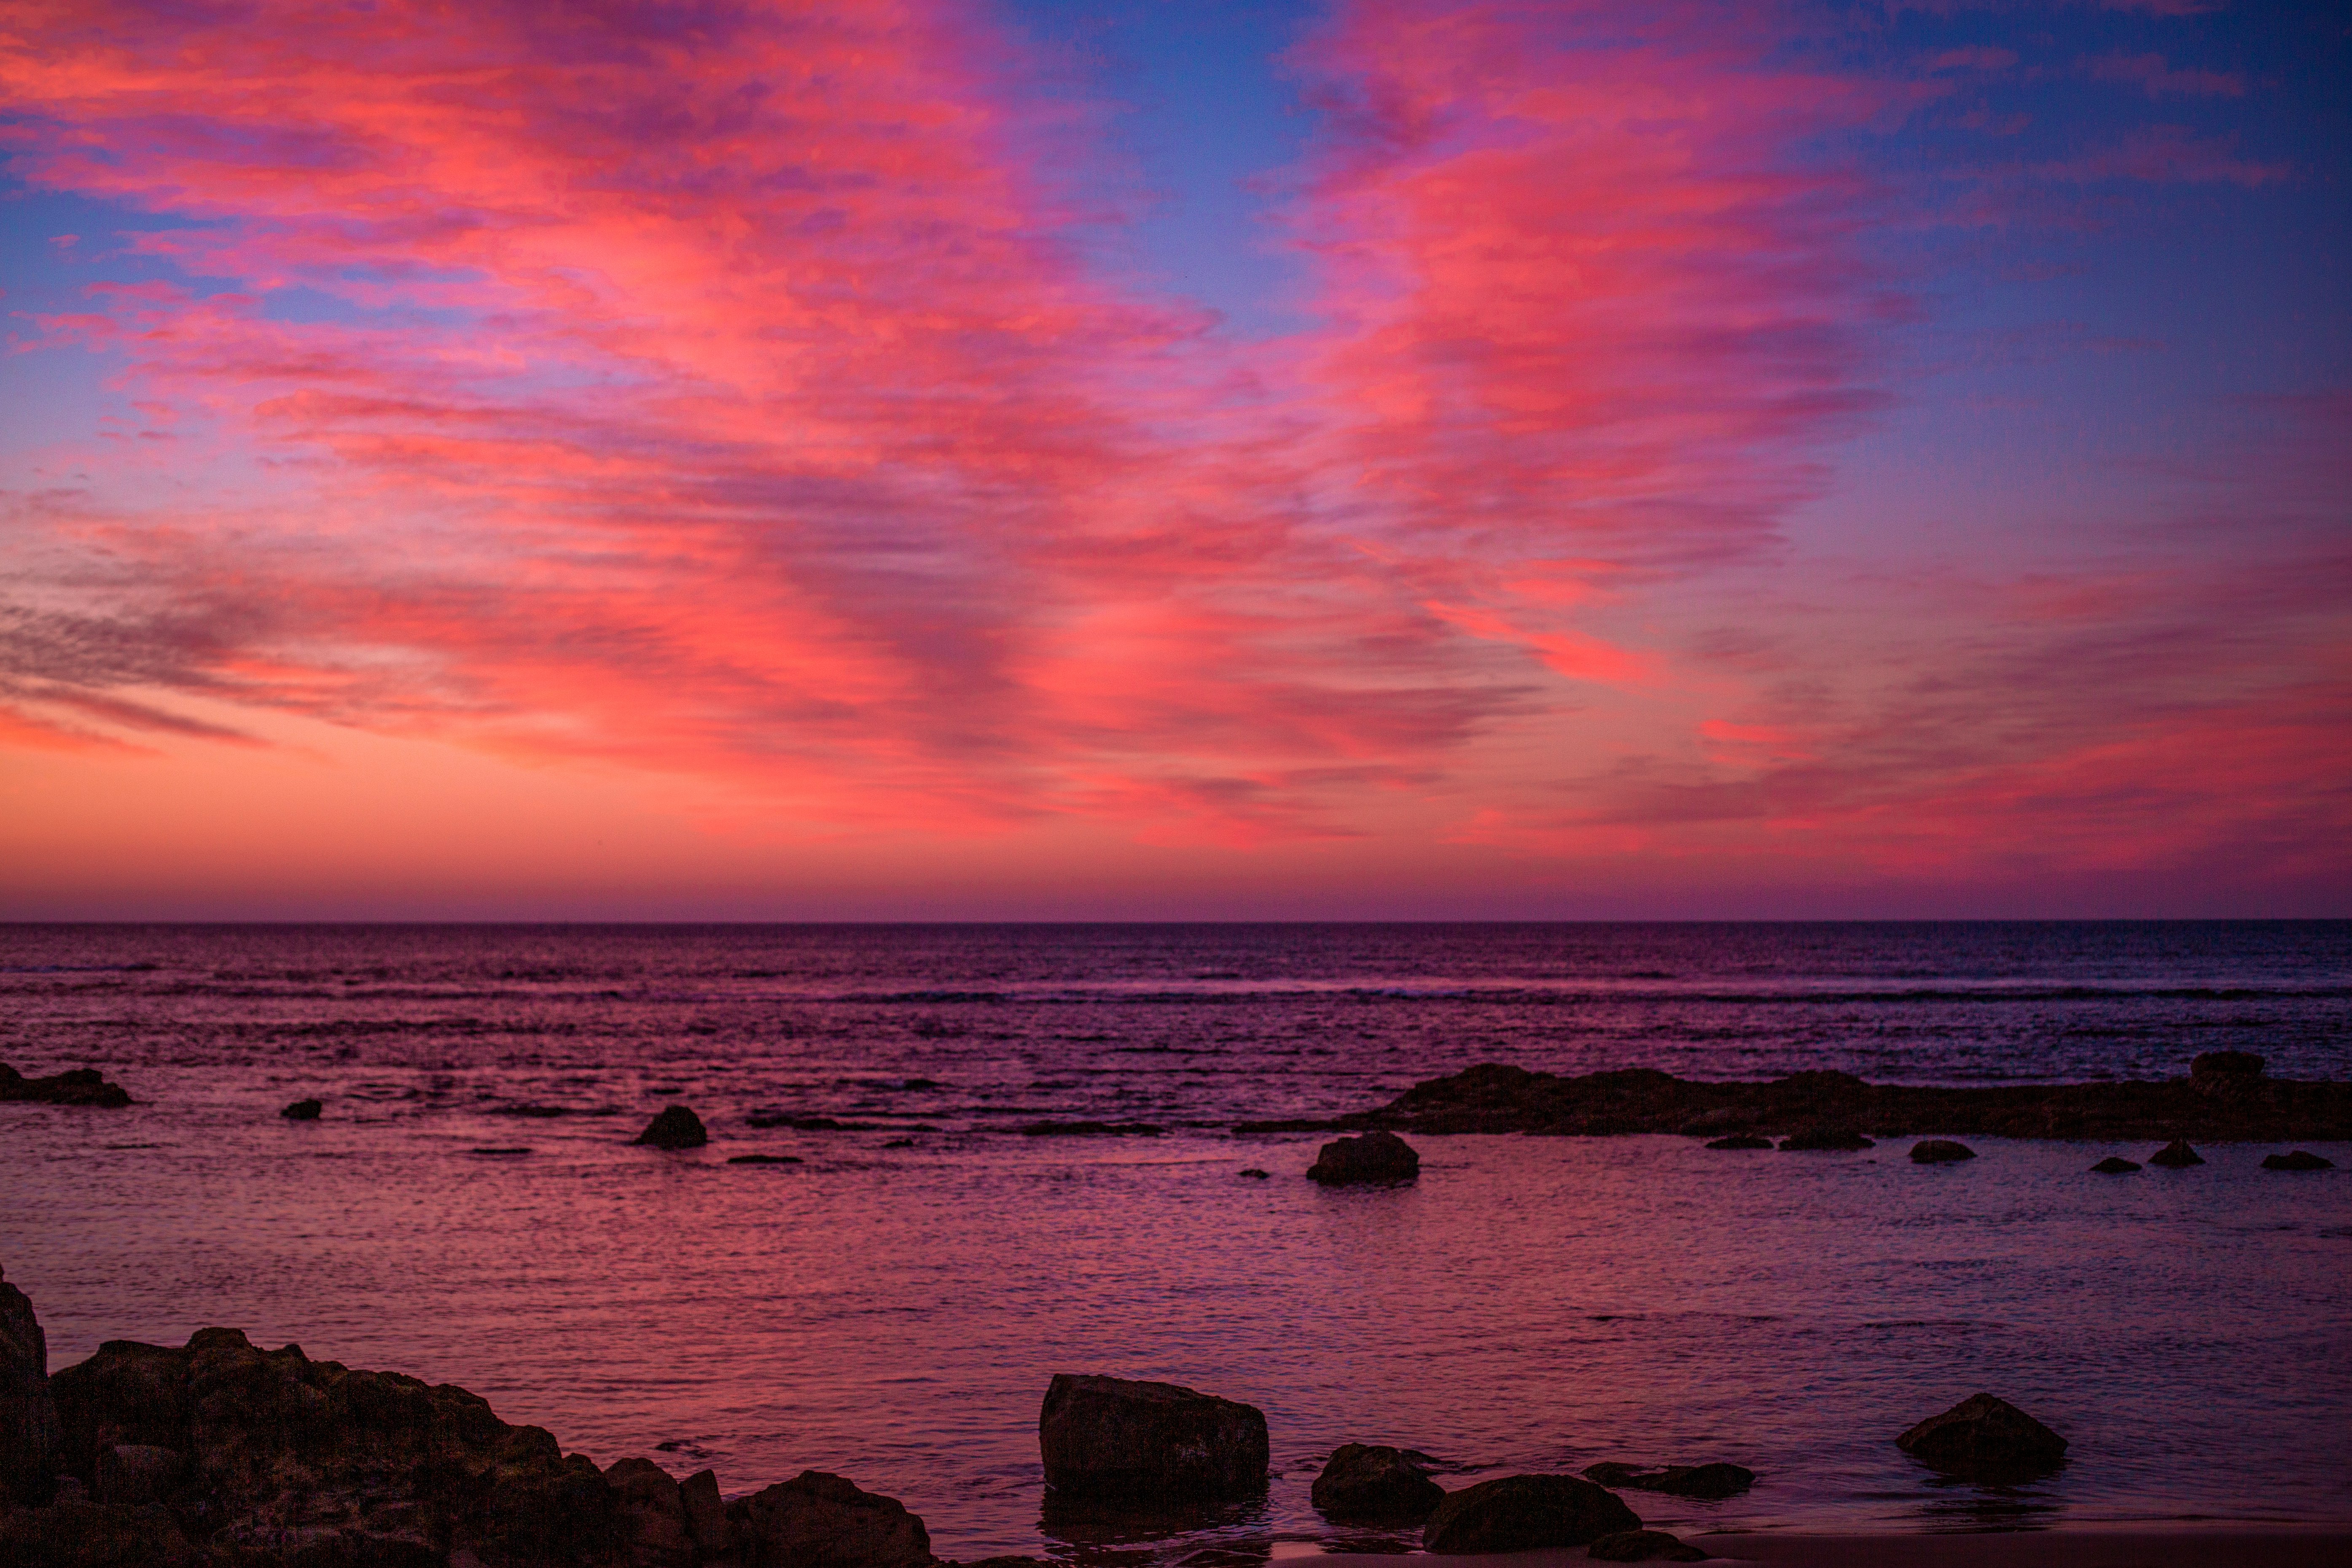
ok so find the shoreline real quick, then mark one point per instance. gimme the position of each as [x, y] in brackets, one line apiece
[2185, 1546]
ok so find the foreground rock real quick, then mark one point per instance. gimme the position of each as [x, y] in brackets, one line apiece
[675, 1128]
[2301, 1159]
[1644, 1546]
[1712, 1481]
[2176, 1155]
[1147, 1442]
[80, 1086]
[1369, 1481]
[1940, 1152]
[1983, 1436]
[1523, 1513]
[30, 1441]
[2209, 1106]
[1375, 1159]
[819, 1521]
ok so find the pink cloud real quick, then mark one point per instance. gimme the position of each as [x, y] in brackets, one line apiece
[2166, 153]
[2152, 75]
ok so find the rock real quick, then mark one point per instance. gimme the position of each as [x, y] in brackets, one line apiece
[2115, 1165]
[1984, 1435]
[132, 1473]
[31, 1440]
[819, 1521]
[1107, 1436]
[2176, 1155]
[1819, 1138]
[78, 1533]
[652, 1514]
[675, 1128]
[1372, 1481]
[1381, 1158]
[1714, 1480]
[303, 1111]
[1741, 1141]
[1522, 1513]
[764, 1159]
[1940, 1152]
[79, 1086]
[2226, 1065]
[1644, 1546]
[1254, 1174]
[706, 1515]
[2301, 1159]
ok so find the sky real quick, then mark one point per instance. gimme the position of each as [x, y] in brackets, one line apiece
[1026, 459]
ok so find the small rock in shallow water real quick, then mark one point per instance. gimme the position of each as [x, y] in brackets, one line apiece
[1939, 1151]
[2115, 1165]
[1376, 1158]
[1827, 1138]
[2301, 1159]
[1109, 1436]
[675, 1128]
[1984, 1435]
[1644, 1546]
[303, 1111]
[1255, 1174]
[2176, 1155]
[1524, 1514]
[1373, 1481]
[1740, 1140]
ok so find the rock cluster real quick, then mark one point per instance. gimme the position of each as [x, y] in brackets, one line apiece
[1377, 1158]
[1987, 1438]
[1523, 1513]
[77, 1086]
[1149, 1442]
[1370, 1482]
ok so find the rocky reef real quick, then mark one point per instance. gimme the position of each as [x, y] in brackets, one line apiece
[2224, 1098]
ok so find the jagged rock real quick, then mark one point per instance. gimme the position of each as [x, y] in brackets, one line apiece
[133, 1473]
[1709, 1480]
[77, 1086]
[31, 1441]
[1107, 1436]
[1984, 1435]
[1940, 1152]
[1380, 1158]
[1644, 1546]
[2176, 1155]
[1521, 1513]
[1372, 1482]
[675, 1128]
[2301, 1159]
[2223, 1064]
[303, 1111]
[652, 1514]
[78, 1533]
[706, 1515]
[1741, 1141]
[1827, 1138]
[2115, 1165]
[819, 1521]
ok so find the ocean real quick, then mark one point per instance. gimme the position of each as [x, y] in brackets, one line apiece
[468, 1208]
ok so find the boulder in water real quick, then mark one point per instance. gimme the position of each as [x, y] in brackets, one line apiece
[819, 1521]
[1984, 1435]
[1709, 1480]
[675, 1128]
[1375, 1159]
[2221, 1067]
[2301, 1159]
[1110, 1438]
[1740, 1140]
[1644, 1546]
[2115, 1165]
[2176, 1155]
[77, 1086]
[303, 1111]
[1524, 1514]
[1373, 1481]
[1827, 1138]
[31, 1443]
[1940, 1152]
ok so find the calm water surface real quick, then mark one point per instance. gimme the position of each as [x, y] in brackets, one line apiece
[892, 1308]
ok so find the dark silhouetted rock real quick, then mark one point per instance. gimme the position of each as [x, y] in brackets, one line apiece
[652, 1514]
[764, 1159]
[819, 1521]
[2301, 1159]
[1644, 1546]
[1827, 1138]
[1091, 1129]
[2176, 1155]
[79, 1086]
[2115, 1165]
[1940, 1152]
[1107, 1436]
[78, 1533]
[1741, 1141]
[1372, 1481]
[31, 1441]
[1983, 1436]
[1255, 1174]
[1523, 1513]
[706, 1515]
[675, 1128]
[1376, 1158]
[133, 1473]
[303, 1111]
[2224, 1065]
[1711, 1480]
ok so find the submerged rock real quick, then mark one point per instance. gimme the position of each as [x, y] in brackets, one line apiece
[2301, 1159]
[31, 1441]
[1940, 1152]
[1741, 1141]
[77, 1086]
[1523, 1513]
[1644, 1546]
[2176, 1155]
[1827, 1138]
[1984, 1435]
[1714, 1480]
[675, 1128]
[1373, 1481]
[1108, 1436]
[303, 1111]
[2115, 1165]
[821, 1521]
[1376, 1158]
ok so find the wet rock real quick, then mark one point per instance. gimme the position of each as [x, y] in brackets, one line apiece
[132, 1473]
[1714, 1480]
[79, 1086]
[1940, 1152]
[1826, 1138]
[303, 1111]
[1091, 1129]
[1644, 1546]
[819, 1521]
[31, 1441]
[2212, 1066]
[765, 1160]
[1983, 1436]
[1522, 1513]
[2115, 1165]
[706, 1516]
[1376, 1158]
[1107, 1436]
[652, 1514]
[2301, 1159]
[675, 1128]
[1741, 1141]
[1372, 1482]
[2176, 1155]
[1255, 1174]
